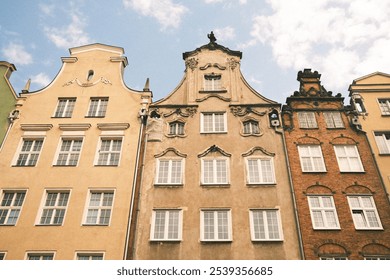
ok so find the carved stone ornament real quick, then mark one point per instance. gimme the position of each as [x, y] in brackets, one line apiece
[192, 63]
[226, 99]
[257, 148]
[240, 111]
[233, 63]
[154, 129]
[77, 81]
[176, 152]
[213, 149]
[220, 67]
[184, 112]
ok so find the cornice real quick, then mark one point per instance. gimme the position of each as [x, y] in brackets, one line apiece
[36, 127]
[113, 126]
[74, 126]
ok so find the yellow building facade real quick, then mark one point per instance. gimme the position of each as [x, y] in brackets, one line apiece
[370, 95]
[215, 181]
[69, 161]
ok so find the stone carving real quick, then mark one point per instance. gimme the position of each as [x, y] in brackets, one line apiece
[213, 149]
[81, 84]
[184, 112]
[154, 129]
[191, 63]
[233, 63]
[240, 111]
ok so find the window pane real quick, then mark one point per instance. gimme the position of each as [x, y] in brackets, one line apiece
[208, 223]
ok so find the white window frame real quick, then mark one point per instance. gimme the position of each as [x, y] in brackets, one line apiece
[73, 154]
[176, 128]
[89, 256]
[54, 211]
[66, 109]
[333, 258]
[171, 218]
[12, 208]
[2, 256]
[349, 158]
[333, 119]
[170, 179]
[216, 225]
[307, 120]
[251, 127]
[323, 209]
[32, 155]
[314, 157]
[377, 257]
[214, 180]
[213, 128]
[99, 159]
[382, 142]
[212, 82]
[98, 111]
[363, 211]
[261, 174]
[266, 225]
[98, 209]
[41, 256]
[384, 106]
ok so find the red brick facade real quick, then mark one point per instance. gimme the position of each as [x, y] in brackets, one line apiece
[344, 240]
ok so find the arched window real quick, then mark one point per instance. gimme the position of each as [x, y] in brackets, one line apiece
[176, 128]
[251, 127]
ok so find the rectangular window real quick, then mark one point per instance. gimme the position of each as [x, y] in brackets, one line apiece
[109, 152]
[251, 127]
[212, 82]
[333, 258]
[97, 107]
[90, 256]
[384, 105]
[53, 210]
[348, 158]
[176, 128]
[216, 225]
[65, 107]
[260, 171]
[213, 122]
[215, 171]
[2, 256]
[99, 208]
[377, 258]
[29, 152]
[169, 171]
[323, 212]
[265, 225]
[383, 142]
[364, 213]
[10, 207]
[69, 152]
[333, 120]
[307, 120]
[311, 158]
[166, 225]
[40, 256]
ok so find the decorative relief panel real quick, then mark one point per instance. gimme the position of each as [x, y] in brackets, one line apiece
[87, 84]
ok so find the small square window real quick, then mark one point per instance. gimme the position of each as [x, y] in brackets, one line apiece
[166, 225]
[169, 172]
[333, 120]
[11, 206]
[364, 213]
[109, 152]
[265, 225]
[65, 107]
[54, 208]
[216, 225]
[323, 212]
[176, 128]
[383, 142]
[40, 256]
[212, 82]
[99, 208]
[348, 158]
[311, 158]
[251, 127]
[97, 107]
[29, 152]
[307, 120]
[384, 105]
[69, 152]
[90, 256]
[215, 171]
[260, 171]
[213, 123]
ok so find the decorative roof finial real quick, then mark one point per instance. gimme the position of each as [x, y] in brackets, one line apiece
[211, 37]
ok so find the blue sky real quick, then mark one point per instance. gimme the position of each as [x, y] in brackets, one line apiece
[341, 39]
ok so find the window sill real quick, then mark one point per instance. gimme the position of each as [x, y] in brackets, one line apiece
[267, 240]
[49, 225]
[23, 165]
[212, 132]
[94, 225]
[61, 117]
[59, 165]
[168, 185]
[97, 165]
[314, 172]
[384, 155]
[353, 172]
[100, 117]
[215, 185]
[259, 185]
[215, 241]
[165, 241]
[323, 229]
[335, 128]
[213, 91]
[376, 229]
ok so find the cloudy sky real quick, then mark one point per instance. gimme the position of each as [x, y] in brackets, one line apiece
[341, 39]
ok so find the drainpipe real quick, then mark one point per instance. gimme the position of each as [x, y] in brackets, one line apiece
[129, 241]
[301, 251]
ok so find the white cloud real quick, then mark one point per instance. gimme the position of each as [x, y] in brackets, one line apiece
[40, 79]
[47, 9]
[16, 54]
[341, 39]
[225, 34]
[212, 1]
[70, 35]
[167, 13]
